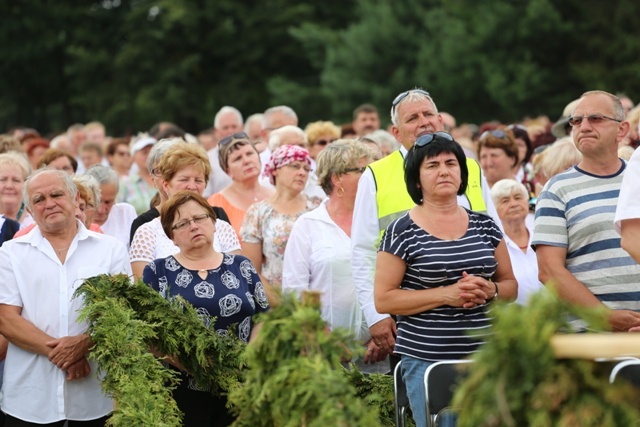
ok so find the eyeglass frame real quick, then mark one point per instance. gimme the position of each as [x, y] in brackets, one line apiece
[186, 222]
[324, 142]
[355, 169]
[599, 118]
[498, 133]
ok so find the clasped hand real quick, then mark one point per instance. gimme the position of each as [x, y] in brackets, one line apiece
[66, 351]
[472, 291]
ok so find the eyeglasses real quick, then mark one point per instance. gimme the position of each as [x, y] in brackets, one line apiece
[428, 138]
[496, 132]
[196, 220]
[403, 95]
[323, 142]
[594, 119]
[229, 138]
[359, 170]
[298, 166]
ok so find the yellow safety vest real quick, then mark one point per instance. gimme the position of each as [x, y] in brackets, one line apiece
[391, 191]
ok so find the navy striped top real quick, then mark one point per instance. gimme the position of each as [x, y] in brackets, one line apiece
[442, 333]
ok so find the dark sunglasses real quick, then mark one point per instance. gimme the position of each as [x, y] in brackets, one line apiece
[428, 138]
[323, 142]
[594, 119]
[403, 95]
[229, 138]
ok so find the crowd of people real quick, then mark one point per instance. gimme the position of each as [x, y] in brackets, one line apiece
[410, 234]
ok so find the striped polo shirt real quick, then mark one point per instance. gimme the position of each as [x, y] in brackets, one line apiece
[575, 211]
[442, 333]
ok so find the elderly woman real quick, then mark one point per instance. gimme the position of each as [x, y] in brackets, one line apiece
[113, 218]
[498, 154]
[439, 266]
[57, 159]
[14, 170]
[318, 254]
[241, 161]
[511, 199]
[267, 224]
[219, 285]
[184, 166]
[319, 135]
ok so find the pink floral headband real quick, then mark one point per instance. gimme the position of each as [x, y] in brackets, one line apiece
[284, 155]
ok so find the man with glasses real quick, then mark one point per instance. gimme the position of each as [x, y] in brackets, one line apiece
[382, 197]
[578, 250]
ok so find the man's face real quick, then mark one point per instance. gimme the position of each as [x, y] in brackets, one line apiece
[52, 206]
[415, 119]
[366, 123]
[595, 139]
[108, 194]
[228, 124]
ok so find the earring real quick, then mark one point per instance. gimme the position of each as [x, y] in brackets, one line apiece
[338, 192]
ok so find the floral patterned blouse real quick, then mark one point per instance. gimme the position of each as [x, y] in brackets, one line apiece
[264, 225]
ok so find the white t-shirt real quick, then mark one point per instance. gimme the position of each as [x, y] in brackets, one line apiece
[118, 224]
[150, 242]
[628, 200]
[39, 392]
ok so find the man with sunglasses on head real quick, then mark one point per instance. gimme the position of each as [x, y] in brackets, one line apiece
[382, 197]
[578, 250]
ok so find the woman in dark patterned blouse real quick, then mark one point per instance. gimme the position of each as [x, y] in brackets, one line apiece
[439, 266]
[218, 285]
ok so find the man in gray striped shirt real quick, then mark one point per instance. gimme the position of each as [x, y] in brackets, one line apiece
[578, 250]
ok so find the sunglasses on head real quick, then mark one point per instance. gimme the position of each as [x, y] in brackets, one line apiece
[403, 95]
[428, 138]
[229, 138]
[498, 133]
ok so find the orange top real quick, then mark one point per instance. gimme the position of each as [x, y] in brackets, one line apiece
[236, 215]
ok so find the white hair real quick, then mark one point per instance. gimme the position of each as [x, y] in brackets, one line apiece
[258, 117]
[505, 188]
[276, 136]
[226, 110]
[282, 109]
[66, 179]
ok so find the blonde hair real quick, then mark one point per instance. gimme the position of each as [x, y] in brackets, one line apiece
[181, 155]
[337, 157]
[317, 129]
[560, 156]
[13, 158]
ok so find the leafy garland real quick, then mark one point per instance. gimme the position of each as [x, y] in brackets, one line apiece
[294, 374]
[516, 380]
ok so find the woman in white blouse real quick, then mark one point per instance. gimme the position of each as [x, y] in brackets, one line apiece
[183, 167]
[318, 254]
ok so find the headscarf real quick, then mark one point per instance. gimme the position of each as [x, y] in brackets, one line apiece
[284, 155]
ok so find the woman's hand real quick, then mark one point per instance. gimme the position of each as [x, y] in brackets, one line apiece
[472, 291]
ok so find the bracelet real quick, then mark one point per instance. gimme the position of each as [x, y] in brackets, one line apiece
[495, 295]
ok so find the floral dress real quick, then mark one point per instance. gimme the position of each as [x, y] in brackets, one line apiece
[264, 225]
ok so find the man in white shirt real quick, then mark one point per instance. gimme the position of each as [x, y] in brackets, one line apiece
[48, 378]
[413, 113]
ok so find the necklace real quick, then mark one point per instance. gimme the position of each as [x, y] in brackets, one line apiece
[438, 230]
[59, 251]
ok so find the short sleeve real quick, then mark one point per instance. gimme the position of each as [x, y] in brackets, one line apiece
[143, 244]
[628, 203]
[251, 230]
[227, 237]
[9, 291]
[393, 240]
[551, 222]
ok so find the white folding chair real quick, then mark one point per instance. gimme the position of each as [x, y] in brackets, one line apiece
[439, 380]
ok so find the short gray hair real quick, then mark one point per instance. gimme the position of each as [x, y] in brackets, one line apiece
[506, 187]
[66, 179]
[158, 150]
[275, 137]
[104, 175]
[225, 110]
[383, 139]
[412, 96]
[283, 109]
[338, 156]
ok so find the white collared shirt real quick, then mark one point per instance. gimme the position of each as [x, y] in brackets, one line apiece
[365, 232]
[32, 277]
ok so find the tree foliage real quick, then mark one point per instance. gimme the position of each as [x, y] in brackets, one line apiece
[131, 63]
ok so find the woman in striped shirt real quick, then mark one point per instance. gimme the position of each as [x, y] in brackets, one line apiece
[439, 266]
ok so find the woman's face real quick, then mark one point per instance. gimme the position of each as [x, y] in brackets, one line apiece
[188, 178]
[513, 207]
[62, 163]
[292, 176]
[192, 227]
[36, 155]
[440, 176]
[11, 182]
[88, 206]
[522, 149]
[243, 164]
[346, 184]
[495, 164]
[320, 144]
[121, 158]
